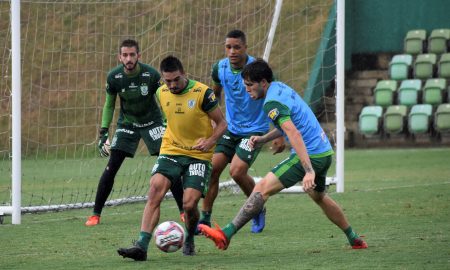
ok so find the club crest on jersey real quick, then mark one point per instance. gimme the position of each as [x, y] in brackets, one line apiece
[191, 103]
[144, 90]
[273, 114]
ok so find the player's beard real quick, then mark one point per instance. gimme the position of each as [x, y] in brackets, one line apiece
[126, 66]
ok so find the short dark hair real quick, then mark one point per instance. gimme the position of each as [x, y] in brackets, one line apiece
[237, 34]
[257, 70]
[171, 64]
[129, 43]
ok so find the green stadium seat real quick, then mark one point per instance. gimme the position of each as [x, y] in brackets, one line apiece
[384, 92]
[433, 91]
[438, 41]
[424, 66]
[408, 92]
[414, 42]
[442, 118]
[394, 119]
[370, 120]
[444, 66]
[399, 66]
[419, 118]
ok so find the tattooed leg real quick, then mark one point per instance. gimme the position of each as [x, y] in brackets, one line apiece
[250, 209]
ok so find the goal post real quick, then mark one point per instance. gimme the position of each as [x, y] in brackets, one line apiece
[48, 146]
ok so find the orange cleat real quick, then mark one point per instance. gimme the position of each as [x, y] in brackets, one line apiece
[92, 221]
[359, 244]
[217, 235]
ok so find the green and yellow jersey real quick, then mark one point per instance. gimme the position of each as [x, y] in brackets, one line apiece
[187, 119]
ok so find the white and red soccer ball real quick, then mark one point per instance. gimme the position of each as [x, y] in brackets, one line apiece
[169, 236]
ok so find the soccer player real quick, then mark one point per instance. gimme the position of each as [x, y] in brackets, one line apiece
[309, 160]
[186, 151]
[245, 118]
[140, 117]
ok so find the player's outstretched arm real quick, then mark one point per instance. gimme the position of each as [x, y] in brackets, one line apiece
[296, 139]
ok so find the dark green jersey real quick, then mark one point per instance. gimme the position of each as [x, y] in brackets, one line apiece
[136, 91]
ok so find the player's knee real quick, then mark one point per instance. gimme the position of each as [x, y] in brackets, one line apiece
[237, 172]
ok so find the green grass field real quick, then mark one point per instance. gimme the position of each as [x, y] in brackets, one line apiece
[398, 199]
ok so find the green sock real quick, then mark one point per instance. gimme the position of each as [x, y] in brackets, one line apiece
[351, 235]
[229, 230]
[144, 240]
[206, 216]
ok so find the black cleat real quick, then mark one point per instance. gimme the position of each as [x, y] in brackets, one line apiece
[135, 252]
[188, 249]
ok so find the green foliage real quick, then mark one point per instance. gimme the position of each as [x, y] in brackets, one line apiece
[398, 199]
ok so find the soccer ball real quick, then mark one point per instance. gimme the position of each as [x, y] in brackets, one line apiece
[169, 236]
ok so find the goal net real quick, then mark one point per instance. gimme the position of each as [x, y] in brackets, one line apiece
[67, 48]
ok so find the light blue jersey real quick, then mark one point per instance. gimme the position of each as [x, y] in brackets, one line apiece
[243, 114]
[283, 103]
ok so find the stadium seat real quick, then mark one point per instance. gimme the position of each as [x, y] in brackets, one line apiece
[438, 41]
[433, 91]
[384, 92]
[370, 120]
[444, 66]
[442, 118]
[419, 118]
[394, 119]
[408, 92]
[424, 66]
[414, 42]
[399, 66]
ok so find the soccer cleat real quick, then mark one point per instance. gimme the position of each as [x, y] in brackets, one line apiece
[93, 220]
[189, 249]
[217, 235]
[259, 222]
[358, 243]
[135, 252]
[207, 223]
[182, 218]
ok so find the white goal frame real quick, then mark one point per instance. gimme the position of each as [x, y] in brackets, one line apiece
[15, 208]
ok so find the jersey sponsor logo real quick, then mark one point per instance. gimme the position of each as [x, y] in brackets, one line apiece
[146, 74]
[132, 85]
[124, 130]
[191, 103]
[197, 169]
[118, 76]
[156, 133]
[144, 89]
[226, 137]
[273, 114]
[244, 145]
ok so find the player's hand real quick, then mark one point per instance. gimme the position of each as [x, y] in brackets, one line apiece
[308, 181]
[103, 147]
[203, 145]
[278, 145]
[255, 142]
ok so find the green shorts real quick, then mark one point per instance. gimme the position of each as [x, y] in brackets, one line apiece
[126, 138]
[231, 144]
[290, 171]
[194, 172]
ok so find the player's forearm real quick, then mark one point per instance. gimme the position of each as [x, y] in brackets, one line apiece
[271, 135]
